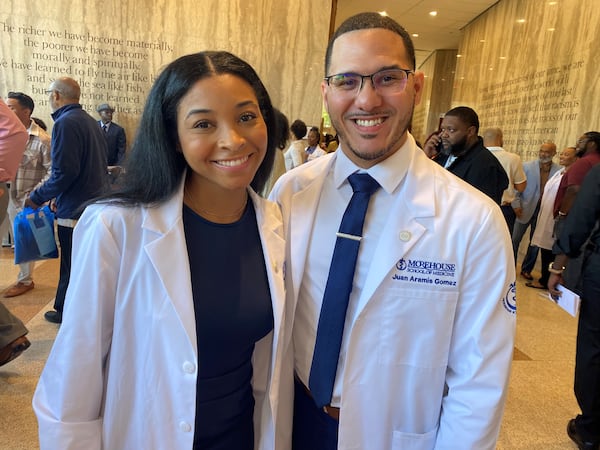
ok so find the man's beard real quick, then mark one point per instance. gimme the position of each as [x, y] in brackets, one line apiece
[459, 147]
[380, 153]
[545, 160]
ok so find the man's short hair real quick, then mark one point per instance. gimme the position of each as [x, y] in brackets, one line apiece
[24, 100]
[367, 21]
[466, 115]
[298, 128]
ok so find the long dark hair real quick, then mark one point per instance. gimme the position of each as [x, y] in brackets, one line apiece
[155, 165]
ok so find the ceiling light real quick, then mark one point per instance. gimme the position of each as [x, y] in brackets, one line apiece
[552, 3]
[481, 40]
[433, 13]
[503, 57]
[459, 56]
[383, 13]
[551, 29]
[521, 20]
[415, 35]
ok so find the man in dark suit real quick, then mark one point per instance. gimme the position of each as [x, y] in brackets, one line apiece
[115, 135]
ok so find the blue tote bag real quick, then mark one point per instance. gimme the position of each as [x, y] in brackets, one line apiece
[34, 235]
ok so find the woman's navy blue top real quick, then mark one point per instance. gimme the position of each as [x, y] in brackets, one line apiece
[232, 304]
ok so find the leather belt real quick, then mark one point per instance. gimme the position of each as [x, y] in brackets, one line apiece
[331, 411]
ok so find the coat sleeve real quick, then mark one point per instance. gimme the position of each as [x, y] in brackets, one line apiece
[69, 396]
[481, 348]
[66, 163]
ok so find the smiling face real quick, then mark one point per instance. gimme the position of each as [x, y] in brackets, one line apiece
[222, 135]
[370, 126]
[567, 156]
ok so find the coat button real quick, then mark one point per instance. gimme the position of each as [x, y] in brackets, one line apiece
[185, 427]
[405, 236]
[189, 367]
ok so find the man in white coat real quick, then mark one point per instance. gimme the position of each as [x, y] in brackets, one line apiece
[429, 327]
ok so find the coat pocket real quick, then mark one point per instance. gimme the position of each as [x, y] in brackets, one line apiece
[416, 327]
[413, 441]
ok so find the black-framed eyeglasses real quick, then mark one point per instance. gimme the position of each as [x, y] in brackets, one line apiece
[386, 81]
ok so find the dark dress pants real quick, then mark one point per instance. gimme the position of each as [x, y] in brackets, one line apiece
[65, 238]
[587, 360]
[509, 215]
[313, 428]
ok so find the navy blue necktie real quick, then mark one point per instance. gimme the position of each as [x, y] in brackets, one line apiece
[337, 290]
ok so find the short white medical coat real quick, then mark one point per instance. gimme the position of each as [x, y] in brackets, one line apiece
[431, 343]
[122, 372]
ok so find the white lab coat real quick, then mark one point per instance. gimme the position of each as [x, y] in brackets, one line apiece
[122, 372]
[428, 362]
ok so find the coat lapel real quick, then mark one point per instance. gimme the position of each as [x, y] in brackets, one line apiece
[410, 218]
[168, 254]
[304, 205]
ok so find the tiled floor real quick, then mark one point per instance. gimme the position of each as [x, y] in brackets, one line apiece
[540, 398]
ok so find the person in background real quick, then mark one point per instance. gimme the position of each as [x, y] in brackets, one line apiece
[527, 203]
[13, 138]
[582, 225]
[464, 154]
[283, 132]
[78, 174]
[405, 339]
[116, 140]
[40, 123]
[34, 170]
[313, 151]
[332, 143]
[511, 162]
[588, 151]
[295, 155]
[544, 234]
[184, 324]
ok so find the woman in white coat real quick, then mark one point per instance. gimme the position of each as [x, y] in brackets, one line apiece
[176, 334]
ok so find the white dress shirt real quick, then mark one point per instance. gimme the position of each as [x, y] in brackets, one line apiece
[335, 197]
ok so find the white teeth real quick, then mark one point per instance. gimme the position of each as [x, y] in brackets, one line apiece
[233, 162]
[368, 123]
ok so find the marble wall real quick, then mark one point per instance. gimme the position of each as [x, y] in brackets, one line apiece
[439, 69]
[531, 68]
[116, 48]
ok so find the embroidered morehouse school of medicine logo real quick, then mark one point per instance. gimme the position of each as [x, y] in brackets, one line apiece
[427, 267]
[510, 299]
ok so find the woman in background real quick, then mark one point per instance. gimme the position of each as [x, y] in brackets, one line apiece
[175, 334]
[295, 155]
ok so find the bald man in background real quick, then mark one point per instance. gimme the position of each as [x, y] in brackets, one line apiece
[78, 173]
[511, 162]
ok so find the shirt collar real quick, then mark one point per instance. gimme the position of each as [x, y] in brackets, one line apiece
[33, 129]
[388, 173]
